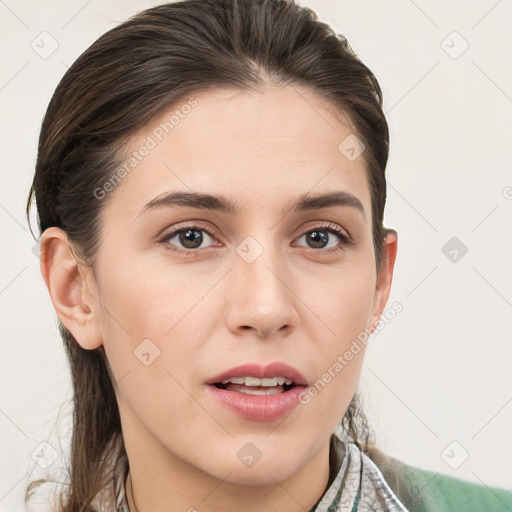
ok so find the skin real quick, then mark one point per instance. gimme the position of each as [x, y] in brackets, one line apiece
[212, 311]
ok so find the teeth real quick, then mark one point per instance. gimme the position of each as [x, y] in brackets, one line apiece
[235, 380]
[254, 381]
[268, 391]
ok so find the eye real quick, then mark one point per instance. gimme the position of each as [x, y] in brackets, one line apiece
[319, 240]
[189, 237]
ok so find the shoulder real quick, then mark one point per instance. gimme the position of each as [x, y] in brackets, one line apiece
[427, 491]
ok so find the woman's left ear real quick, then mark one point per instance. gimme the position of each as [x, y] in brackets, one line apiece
[384, 276]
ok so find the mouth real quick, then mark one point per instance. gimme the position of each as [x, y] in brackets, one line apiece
[255, 386]
[255, 392]
[271, 378]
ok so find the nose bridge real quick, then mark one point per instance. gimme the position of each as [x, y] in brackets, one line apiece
[261, 297]
[258, 265]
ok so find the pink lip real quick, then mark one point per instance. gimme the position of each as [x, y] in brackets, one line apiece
[259, 407]
[276, 369]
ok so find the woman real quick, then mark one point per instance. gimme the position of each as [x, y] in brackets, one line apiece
[210, 191]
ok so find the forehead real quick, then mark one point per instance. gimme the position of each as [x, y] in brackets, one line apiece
[257, 145]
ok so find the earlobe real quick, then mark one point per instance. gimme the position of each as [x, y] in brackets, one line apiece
[385, 276]
[66, 281]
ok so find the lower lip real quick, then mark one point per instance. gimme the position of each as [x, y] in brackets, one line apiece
[258, 407]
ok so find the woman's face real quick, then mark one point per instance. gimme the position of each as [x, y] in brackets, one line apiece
[263, 283]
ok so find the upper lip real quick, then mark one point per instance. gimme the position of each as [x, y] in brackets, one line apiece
[275, 369]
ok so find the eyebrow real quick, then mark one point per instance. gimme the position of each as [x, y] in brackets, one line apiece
[215, 202]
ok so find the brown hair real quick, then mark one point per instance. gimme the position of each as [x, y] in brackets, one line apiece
[133, 72]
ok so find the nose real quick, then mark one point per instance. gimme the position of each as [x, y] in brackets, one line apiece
[261, 298]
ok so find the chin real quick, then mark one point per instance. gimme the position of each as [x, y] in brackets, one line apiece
[263, 475]
[249, 467]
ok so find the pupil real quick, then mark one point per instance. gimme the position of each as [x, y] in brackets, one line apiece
[317, 235]
[185, 238]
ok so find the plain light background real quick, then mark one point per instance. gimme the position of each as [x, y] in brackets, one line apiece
[437, 379]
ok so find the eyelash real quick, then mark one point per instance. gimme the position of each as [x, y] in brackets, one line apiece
[332, 228]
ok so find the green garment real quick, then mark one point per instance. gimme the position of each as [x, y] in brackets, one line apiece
[427, 491]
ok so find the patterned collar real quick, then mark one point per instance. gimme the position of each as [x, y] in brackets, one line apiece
[355, 485]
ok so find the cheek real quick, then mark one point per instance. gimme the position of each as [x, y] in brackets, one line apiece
[153, 301]
[345, 304]
[151, 343]
[157, 322]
